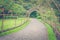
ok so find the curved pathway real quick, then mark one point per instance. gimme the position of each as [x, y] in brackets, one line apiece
[34, 31]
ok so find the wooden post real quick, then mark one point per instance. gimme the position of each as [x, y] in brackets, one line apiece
[2, 20]
[15, 20]
[21, 20]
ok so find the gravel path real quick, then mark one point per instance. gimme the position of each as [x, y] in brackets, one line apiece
[34, 31]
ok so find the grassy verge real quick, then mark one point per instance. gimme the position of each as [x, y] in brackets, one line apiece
[15, 30]
[51, 34]
[9, 23]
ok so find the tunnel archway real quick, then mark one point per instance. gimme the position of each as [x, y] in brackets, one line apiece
[34, 14]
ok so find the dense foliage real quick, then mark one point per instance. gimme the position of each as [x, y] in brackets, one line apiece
[21, 6]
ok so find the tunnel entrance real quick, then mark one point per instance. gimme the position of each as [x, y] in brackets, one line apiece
[33, 14]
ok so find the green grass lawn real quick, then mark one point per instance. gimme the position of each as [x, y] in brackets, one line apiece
[9, 23]
[51, 34]
[15, 30]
